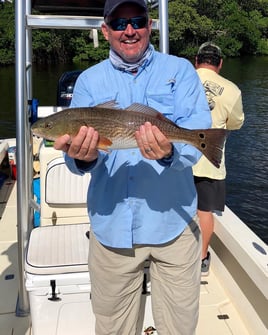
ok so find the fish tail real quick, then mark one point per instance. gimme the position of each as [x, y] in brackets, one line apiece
[211, 144]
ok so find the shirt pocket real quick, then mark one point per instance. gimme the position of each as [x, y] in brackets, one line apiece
[163, 102]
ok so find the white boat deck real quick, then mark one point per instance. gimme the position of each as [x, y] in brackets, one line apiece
[217, 313]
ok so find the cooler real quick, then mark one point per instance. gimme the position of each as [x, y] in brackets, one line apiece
[58, 283]
[57, 280]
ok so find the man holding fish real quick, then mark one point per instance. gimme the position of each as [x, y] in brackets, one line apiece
[141, 201]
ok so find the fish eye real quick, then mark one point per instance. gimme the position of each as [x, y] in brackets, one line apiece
[48, 125]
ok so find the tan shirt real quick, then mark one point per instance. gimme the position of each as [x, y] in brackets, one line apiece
[225, 103]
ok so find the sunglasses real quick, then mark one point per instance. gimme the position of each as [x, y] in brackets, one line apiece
[121, 24]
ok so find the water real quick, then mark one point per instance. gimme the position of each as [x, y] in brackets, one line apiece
[45, 79]
[246, 151]
[7, 105]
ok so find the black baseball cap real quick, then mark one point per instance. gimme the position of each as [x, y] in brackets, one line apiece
[111, 5]
[209, 49]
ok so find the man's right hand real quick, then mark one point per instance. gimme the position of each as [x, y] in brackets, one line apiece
[83, 146]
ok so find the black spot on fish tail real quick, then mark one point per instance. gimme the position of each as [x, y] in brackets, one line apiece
[211, 144]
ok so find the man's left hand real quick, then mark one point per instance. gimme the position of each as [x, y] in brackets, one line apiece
[152, 142]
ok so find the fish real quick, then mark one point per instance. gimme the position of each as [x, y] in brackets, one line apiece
[116, 128]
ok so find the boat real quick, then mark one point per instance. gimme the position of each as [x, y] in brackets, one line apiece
[45, 230]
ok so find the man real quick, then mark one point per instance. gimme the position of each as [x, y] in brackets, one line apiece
[141, 202]
[225, 103]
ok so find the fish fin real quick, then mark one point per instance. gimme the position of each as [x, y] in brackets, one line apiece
[136, 107]
[104, 143]
[108, 104]
[211, 143]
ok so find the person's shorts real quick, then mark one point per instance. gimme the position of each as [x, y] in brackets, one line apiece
[211, 194]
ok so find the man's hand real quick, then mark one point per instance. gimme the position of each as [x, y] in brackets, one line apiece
[152, 142]
[83, 146]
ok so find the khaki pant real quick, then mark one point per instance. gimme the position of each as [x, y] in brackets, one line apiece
[116, 281]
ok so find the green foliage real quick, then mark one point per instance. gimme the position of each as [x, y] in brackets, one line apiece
[7, 32]
[209, 8]
[245, 29]
[229, 45]
[238, 26]
[187, 27]
[49, 44]
[262, 47]
[85, 49]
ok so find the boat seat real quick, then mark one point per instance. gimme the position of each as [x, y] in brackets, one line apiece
[62, 187]
[63, 195]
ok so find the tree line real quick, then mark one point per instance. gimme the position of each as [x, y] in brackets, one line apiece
[239, 27]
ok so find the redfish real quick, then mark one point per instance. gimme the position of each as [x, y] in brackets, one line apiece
[116, 128]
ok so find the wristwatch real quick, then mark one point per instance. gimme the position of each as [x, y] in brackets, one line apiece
[167, 160]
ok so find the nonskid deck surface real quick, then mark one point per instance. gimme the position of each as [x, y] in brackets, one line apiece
[9, 323]
[217, 313]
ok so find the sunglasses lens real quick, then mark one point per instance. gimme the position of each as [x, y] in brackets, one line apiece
[138, 22]
[120, 24]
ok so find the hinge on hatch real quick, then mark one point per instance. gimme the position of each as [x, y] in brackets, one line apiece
[54, 218]
[223, 316]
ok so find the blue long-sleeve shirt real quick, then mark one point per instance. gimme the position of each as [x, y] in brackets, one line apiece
[133, 200]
